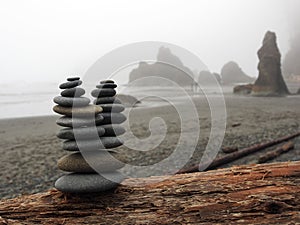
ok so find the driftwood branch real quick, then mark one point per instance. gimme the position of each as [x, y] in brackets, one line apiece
[255, 194]
[276, 152]
[238, 154]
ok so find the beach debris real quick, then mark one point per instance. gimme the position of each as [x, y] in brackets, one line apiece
[243, 89]
[276, 152]
[90, 133]
[237, 124]
[270, 81]
[230, 149]
[236, 155]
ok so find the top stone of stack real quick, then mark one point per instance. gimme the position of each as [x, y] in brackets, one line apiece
[73, 78]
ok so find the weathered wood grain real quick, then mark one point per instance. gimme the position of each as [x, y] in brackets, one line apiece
[250, 194]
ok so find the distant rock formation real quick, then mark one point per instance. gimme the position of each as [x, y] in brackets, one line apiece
[168, 66]
[270, 81]
[291, 65]
[206, 78]
[231, 73]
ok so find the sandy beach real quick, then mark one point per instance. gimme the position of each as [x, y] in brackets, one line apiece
[29, 148]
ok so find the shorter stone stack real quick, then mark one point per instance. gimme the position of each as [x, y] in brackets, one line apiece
[112, 107]
[91, 167]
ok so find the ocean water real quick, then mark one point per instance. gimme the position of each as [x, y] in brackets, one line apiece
[36, 99]
[27, 99]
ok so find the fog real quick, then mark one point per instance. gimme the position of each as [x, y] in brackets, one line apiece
[49, 40]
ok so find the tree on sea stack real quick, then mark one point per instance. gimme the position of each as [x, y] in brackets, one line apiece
[270, 81]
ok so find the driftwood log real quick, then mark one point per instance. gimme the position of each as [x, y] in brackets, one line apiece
[276, 152]
[250, 194]
[236, 155]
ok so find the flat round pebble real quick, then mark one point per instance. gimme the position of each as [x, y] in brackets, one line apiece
[106, 85]
[113, 130]
[88, 183]
[81, 133]
[97, 144]
[70, 84]
[107, 100]
[73, 78]
[107, 82]
[101, 161]
[71, 102]
[73, 92]
[116, 108]
[78, 111]
[113, 118]
[65, 121]
[103, 92]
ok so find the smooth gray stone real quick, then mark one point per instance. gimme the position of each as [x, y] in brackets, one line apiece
[116, 108]
[103, 92]
[113, 130]
[88, 111]
[65, 121]
[107, 82]
[71, 102]
[73, 78]
[88, 183]
[73, 92]
[101, 161]
[113, 118]
[106, 85]
[107, 100]
[82, 133]
[70, 84]
[96, 144]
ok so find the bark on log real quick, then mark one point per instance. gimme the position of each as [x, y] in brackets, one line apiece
[236, 155]
[276, 152]
[250, 194]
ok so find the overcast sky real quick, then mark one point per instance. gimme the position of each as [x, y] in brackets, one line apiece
[51, 39]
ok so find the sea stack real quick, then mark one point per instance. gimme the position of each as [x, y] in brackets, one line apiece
[270, 81]
[90, 164]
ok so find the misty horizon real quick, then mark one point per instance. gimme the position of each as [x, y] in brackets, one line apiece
[51, 40]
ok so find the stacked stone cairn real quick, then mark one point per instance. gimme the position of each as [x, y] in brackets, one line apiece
[89, 137]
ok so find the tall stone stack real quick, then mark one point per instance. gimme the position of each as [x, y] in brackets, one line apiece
[90, 163]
